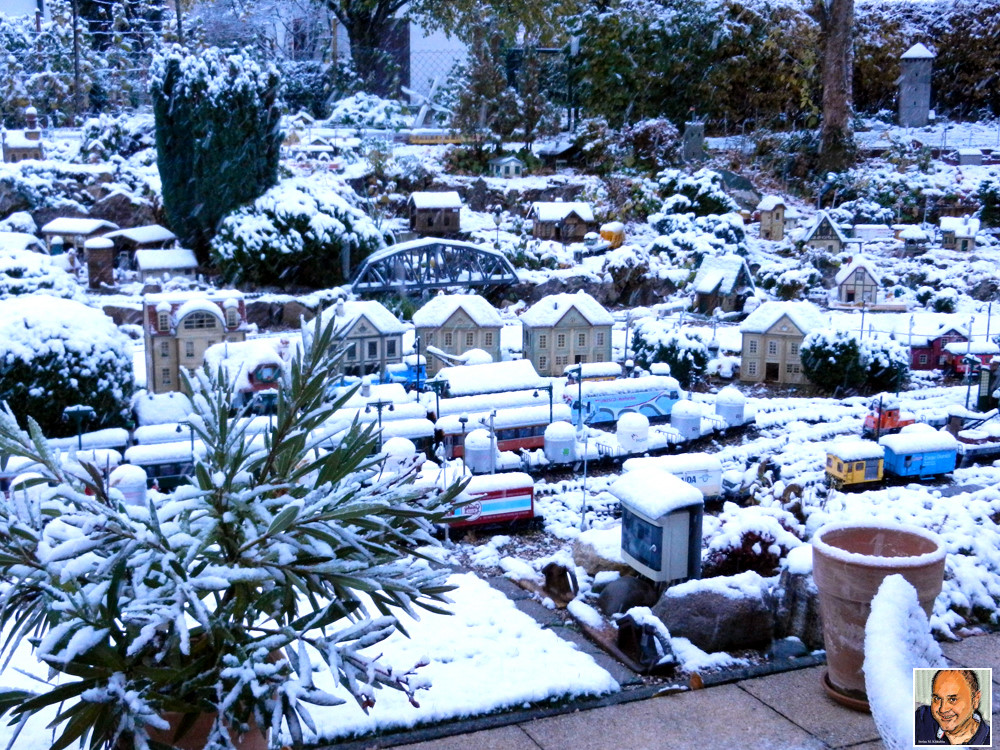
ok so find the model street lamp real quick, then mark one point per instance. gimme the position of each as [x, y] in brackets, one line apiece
[463, 420]
[549, 389]
[496, 222]
[578, 369]
[78, 414]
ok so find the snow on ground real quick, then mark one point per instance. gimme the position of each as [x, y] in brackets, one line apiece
[486, 656]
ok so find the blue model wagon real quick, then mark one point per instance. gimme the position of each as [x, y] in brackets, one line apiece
[920, 454]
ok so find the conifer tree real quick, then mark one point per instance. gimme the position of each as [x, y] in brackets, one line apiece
[217, 138]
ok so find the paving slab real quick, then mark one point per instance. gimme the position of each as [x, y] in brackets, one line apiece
[976, 651]
[799, 697]
[501, 738]
[720, 717]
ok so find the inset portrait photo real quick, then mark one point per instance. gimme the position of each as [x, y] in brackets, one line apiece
[952, 707]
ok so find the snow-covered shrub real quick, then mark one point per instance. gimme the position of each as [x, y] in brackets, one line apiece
[743, 539]
[790, 283]
[363, 110]
[107, 136]
[686, 238]
[704, 189]
[19, 221]
[684, 351]
[56, 353]
[25, 272]
[835, 358]
[989, 201]
[945, 301]
[294, 235]
[652, 144]
[308, 85]
[862, 211]
[600, 149]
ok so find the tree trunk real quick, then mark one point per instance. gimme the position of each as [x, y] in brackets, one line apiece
[836, 134]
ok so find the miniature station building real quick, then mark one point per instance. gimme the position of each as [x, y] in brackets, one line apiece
[372, 336]
[970, 157]
[456, 323]
[824, 234]
[566, 329]
[915, 68]
[959, 233]
[722, 283]
[561, 221]
[19, 145]
[914, 239]
[180, 326]
[772, 218]
[857, 282]
[772, 337]
[506, 166]
[435, 213]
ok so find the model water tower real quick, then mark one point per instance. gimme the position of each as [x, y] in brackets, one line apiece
[915, 67]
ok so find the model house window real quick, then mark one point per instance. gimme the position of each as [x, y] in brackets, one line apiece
[562, 361]
[772, 348]
[580, 359]
[470, 339]
[232, 317]
[164, 348]
[581, 339]
[543, 341]
[352, 351]
[561, 341]
[372, 349]
[163, 321]
[751, 368]
[923, 359]
[188, 349]
[198, 321]
[794, 369]
[430, 339]
[793, 349]
[165, 376]
[752, 346]
[543, 363]
[390, 348]
[599, 339]
[488, 338]
[447, 220]
[448, 339]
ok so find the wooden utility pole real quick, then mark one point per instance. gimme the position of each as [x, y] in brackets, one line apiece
[76, 60]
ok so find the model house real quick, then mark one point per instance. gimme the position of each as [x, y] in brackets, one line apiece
[372, 336]
[74, 232]
[857, 282]
[561, 221]
[157, 264]
[148, 237]
[566, 329]
[435, 213]
[722, 283]
[772, 337]
[929, 352]
[824, 234]
[506, 166]
[19, 145]
[456, 323]
[772, 218]
[959, 233]
[180, 326]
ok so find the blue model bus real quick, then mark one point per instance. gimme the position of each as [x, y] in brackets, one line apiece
[606, 400]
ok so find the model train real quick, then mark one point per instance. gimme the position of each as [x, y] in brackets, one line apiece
[921, 453]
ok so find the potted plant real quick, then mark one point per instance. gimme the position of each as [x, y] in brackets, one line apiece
[850, 561]
[285, 557]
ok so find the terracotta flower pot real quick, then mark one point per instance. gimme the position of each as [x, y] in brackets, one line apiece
[196, 737]
[849, 563]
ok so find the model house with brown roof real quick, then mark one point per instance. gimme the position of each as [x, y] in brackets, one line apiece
[772, 218]
[435, 213]
[772, 338]
[561, 221]
[959, 233]
[566, 329]
[180, 326]
[723, 283]
[857, 282]
[456, 323]
[824, 234]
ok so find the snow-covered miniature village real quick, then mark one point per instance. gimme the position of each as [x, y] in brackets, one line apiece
[309, 389]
